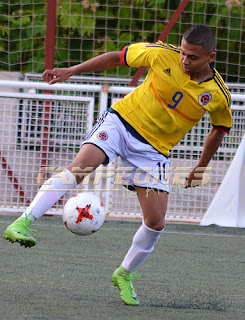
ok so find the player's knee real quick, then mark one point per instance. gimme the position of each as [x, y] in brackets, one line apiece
[79, 172]
[155, 224]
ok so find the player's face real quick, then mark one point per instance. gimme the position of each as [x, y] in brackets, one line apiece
[195, 60]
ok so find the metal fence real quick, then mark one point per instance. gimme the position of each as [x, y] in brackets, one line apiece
[42, 129]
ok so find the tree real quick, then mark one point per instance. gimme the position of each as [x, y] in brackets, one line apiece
[90, 27]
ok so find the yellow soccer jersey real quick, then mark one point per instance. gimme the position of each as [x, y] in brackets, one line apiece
[168, 103]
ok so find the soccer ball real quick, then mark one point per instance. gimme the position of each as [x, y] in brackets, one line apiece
[83, 214]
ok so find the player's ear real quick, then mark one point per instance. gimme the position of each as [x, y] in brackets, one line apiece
[212, 56]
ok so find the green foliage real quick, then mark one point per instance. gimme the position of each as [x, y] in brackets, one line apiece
[90, 27]
[22, 35]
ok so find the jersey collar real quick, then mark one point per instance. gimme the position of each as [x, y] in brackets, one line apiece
[211, 78]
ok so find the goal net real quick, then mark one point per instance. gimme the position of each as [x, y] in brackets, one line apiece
[88, 28]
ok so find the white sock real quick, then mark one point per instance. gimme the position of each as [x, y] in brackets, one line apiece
[49, 193]
[143, 244]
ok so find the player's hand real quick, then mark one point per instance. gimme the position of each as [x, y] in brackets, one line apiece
[56, 75]
[194, 178]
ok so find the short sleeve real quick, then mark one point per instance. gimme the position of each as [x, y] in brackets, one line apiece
[139, 54]
[222, 119]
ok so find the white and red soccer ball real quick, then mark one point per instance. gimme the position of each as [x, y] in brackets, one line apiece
[83, 214]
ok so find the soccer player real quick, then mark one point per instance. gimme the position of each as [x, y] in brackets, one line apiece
[180, 87]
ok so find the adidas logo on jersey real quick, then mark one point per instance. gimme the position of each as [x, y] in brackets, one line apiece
[167, 71]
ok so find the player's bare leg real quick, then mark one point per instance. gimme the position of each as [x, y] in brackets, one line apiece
[51, 191]
[154, 205]
[89, 157]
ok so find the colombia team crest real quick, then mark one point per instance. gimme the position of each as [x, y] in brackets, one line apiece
[102, 135]
[204, 98]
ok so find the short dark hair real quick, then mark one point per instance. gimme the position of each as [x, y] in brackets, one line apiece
[200, 35]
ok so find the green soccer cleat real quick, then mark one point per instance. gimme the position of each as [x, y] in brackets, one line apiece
[124, 284]
[18, 231]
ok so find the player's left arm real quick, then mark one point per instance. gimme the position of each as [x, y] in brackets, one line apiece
[211, 145]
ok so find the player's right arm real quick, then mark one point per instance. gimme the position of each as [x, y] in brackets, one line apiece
[100, 63]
